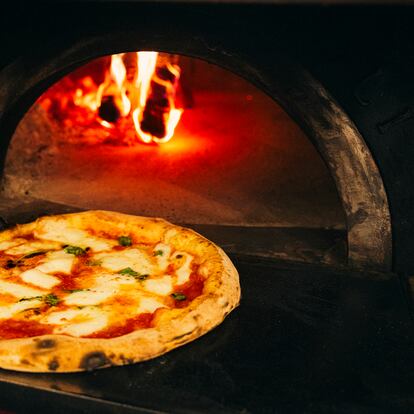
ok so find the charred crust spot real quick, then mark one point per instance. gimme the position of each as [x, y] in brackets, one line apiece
[94, 360]
[182, 336]
[24, 362]
[46, 344]
[225, 305]
[125, 360]
[10, 264]
[53, 364]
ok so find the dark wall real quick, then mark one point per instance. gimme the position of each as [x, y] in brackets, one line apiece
[365, 58]
[363, 55]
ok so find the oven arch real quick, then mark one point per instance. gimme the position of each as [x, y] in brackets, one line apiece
[334, 135]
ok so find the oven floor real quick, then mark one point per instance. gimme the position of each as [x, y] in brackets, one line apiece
[310, 245]
[304, 339]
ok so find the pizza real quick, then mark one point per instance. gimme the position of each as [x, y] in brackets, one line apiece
[95, 289]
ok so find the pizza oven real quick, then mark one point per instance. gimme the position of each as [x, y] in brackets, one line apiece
[282, 133]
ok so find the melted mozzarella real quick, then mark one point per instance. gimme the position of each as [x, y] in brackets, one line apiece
[38, 278]
[61, 232]
[184, 272]
[59, 318]
[160, 286]
[104, 287]
[9, 310]
[163, 259]
[7, 244]
[78, 322]
[97, 245]
[93, 297]
[58, 261]
[30, 247]
[133, 258]
[19, 291]
[147, 304]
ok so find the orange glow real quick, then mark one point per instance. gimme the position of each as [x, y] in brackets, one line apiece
[138, 86]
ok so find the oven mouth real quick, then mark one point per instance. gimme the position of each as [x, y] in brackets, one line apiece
[342, 221]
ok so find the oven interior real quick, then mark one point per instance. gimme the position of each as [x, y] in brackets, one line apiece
[237, 168]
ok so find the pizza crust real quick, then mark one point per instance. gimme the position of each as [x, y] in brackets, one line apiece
[172, 327]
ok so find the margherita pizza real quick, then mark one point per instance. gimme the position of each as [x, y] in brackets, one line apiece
[95, 289]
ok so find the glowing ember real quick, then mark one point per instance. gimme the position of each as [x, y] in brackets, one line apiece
[139, 87]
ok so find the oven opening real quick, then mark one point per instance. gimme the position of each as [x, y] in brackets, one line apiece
[171, 136]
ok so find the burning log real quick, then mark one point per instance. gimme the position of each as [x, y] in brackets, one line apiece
[138, 84]
[108, 111]
[156, 117]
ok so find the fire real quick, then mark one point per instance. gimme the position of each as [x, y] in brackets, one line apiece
[140, 86]
[146, 67]
[118, 75]
[156, 110]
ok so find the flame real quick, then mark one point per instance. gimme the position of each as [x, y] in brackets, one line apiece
[118, 75]
[146, 67]
[137, 97]
[89, 100]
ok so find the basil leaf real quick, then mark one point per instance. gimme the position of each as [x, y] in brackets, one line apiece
[51, 299]
[33, 254]
[76, 250]
[125, 241]
[128, 271]
[158, 253]
[179, 296]
[13, 263]
[32, 298]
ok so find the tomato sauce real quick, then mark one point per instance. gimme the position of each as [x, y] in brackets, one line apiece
[67, 282]
[10, 329]
[28, 237]
[191, 289]
[6, 260]
[141, 321]
[31, 262]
